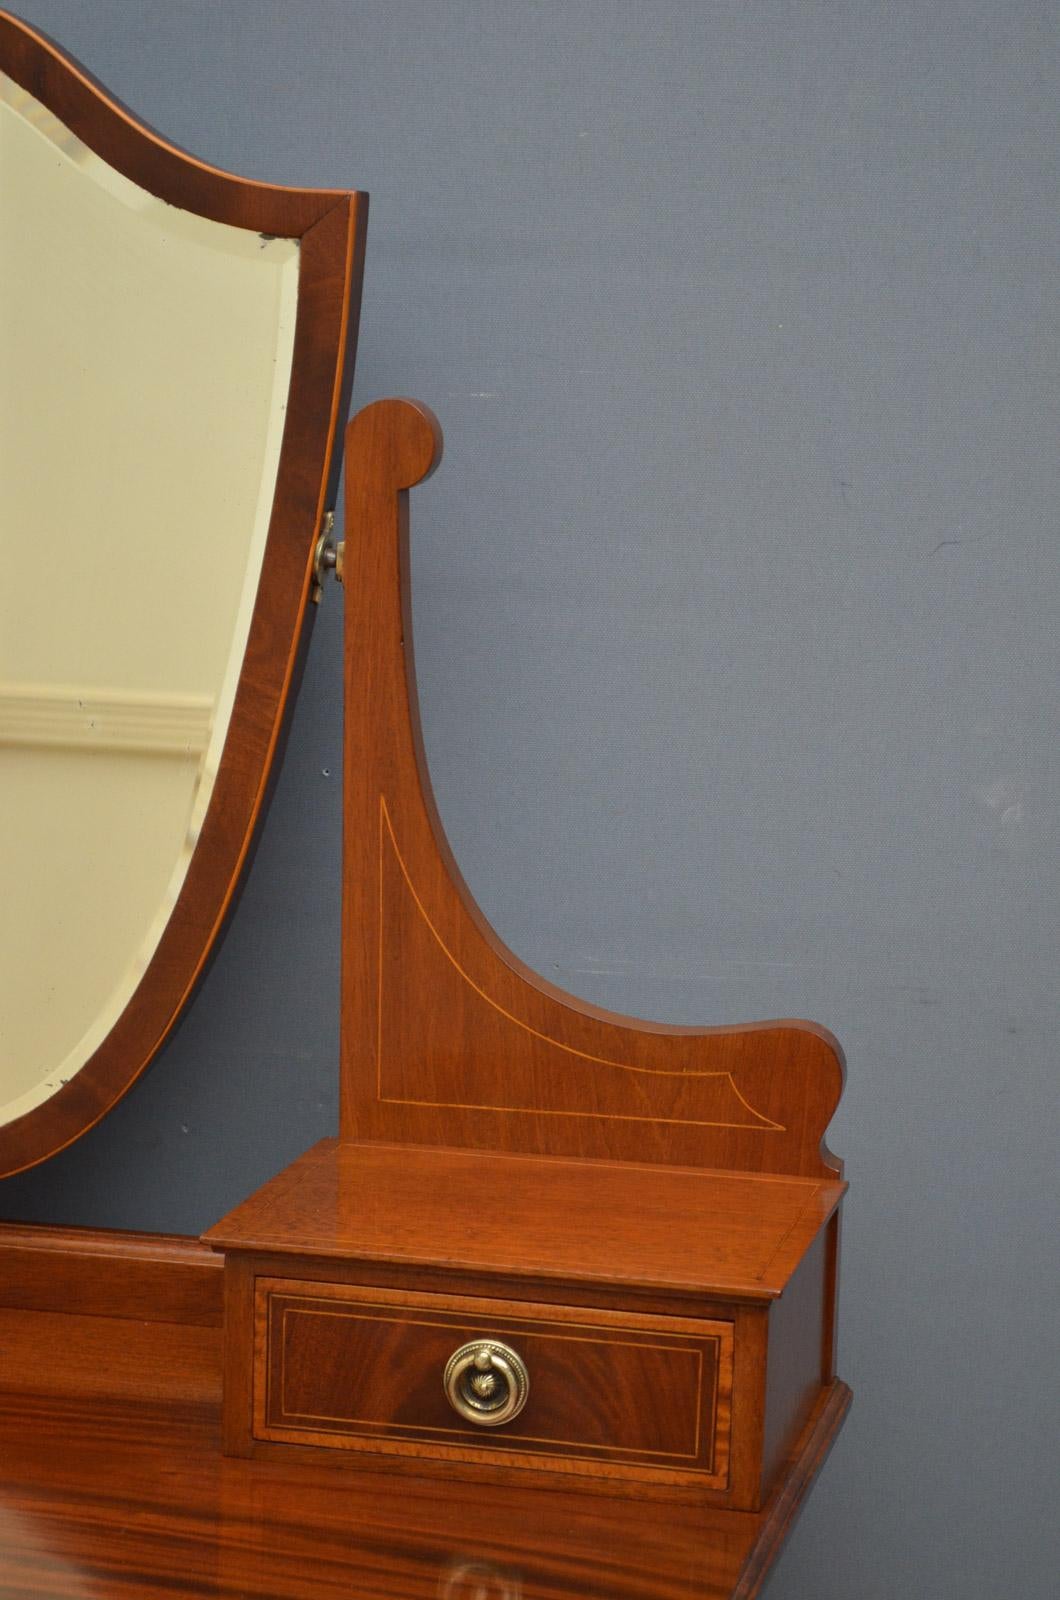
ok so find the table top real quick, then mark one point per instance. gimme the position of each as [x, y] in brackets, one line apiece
[683, 1230]
[101, 1500]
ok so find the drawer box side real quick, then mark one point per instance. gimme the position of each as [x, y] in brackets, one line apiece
[798, 1356]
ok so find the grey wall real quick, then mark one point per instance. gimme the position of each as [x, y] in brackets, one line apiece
[736, 602]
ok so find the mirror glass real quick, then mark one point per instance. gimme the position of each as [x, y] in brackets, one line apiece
[145, 362]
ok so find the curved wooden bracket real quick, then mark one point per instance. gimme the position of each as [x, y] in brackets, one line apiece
[447, 1038]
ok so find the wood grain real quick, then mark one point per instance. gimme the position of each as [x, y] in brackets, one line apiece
[526, 1237]
[331, 227]
[781, 1512]
[621, 1396]
[146, 1276]
[679, 1231]
[111, 1498]
[447, 1038]
[113, 1483]
[78, 1358]
[796, 1359]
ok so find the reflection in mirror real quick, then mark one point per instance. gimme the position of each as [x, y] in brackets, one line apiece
[145, 361]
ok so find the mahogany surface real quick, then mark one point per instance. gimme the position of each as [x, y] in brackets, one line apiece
[154, 1277]
[503, 1141]
[681, 1231]
[106, 1496]
[107, 1500]
[645, 1398]
[632, 1171]
[331, 226]
[356, 1243]
[447, 1038]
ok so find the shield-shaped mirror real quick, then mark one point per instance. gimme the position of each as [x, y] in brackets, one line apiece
[175, 349]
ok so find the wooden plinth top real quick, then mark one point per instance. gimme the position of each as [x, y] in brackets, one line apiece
[680, 1230]
[113, 1483]
[117, 1499]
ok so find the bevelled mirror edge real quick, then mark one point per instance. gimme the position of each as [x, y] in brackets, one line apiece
[328, 227]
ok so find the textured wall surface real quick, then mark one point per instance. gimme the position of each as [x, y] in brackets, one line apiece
[736, 606]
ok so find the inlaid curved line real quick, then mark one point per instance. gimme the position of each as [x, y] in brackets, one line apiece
[599, 1116]
[556, 1044]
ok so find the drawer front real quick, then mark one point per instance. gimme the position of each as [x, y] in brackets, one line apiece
[609, 1393]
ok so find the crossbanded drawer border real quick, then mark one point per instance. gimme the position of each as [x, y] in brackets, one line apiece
[276, 1298]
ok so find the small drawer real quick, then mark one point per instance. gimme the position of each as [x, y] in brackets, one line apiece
[609, 1393]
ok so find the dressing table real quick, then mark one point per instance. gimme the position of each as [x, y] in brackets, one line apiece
[556, 1310]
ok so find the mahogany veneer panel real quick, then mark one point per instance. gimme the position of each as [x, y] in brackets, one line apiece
[86, 1314]
[684, 1231]
[447, 1038]
[153, 1276]
[84, 1358]
[480, 1243]
[620, 1395]
[113, 1485]
[110, 1501]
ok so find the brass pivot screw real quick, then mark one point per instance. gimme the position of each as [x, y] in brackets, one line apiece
[327, 556]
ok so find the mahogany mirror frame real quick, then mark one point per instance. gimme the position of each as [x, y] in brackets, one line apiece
[330, 225]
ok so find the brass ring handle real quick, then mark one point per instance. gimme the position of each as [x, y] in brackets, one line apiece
[486, 1382]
